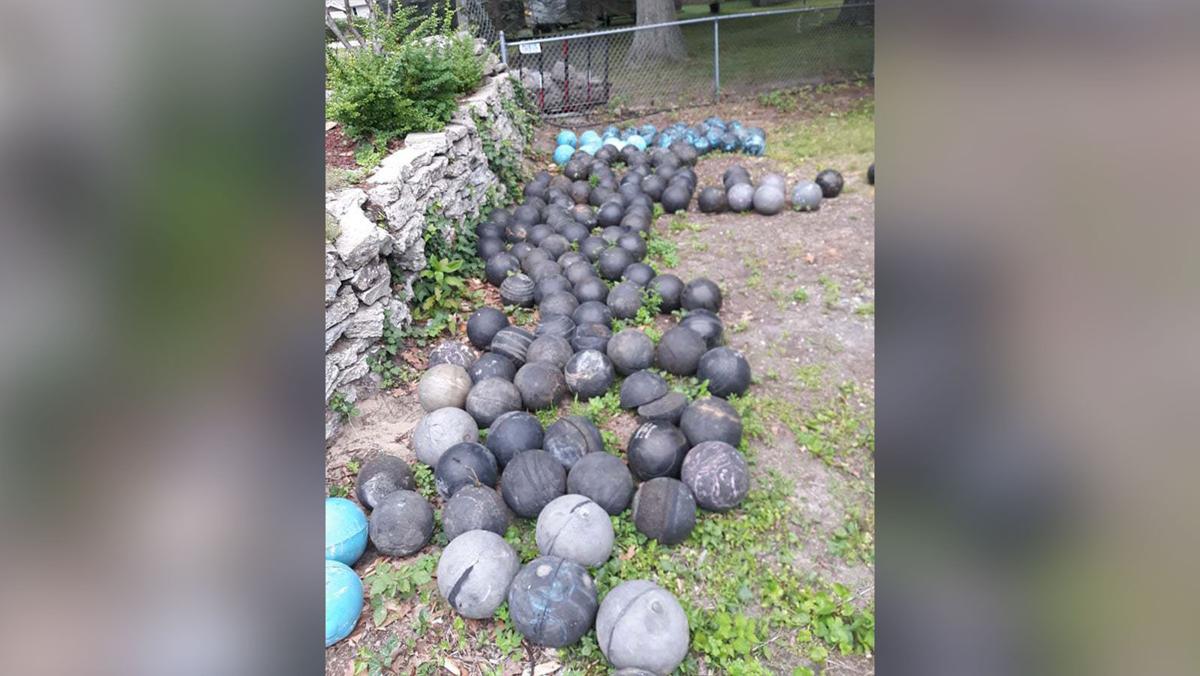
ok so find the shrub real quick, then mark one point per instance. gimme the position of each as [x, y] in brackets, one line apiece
[406, 77]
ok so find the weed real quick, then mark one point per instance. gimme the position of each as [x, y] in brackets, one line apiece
[780, 99]
[339, 405]
[811, 376]
[383, 362]
[339, 491]
[661, 252]
[390, 582]
[646, 314]
[426, 484]
[376, 662]
[600, 409]
[679, 223]
[800, 296]
[865, 310]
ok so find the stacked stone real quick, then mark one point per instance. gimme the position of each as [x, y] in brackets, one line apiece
[379, 228]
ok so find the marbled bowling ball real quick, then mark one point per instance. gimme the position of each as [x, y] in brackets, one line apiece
[552, 602]
[717, 475]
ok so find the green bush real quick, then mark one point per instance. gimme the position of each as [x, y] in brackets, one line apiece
[407, 78]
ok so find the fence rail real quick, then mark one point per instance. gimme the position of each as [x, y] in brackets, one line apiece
[599, 73]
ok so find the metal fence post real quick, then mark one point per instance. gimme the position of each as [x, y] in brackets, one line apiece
[503, 50]
[716, 59]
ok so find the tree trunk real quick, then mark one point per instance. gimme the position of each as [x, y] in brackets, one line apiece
[659, 44]
[857, 13]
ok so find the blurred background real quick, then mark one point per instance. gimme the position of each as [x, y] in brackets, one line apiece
[160, 396]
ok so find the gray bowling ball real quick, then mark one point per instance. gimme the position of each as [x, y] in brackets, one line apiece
[664, 509]
[640, 625]
[475, 571]
[490, 398]
[624, 300]
[642, 387]
[701, 293]
[769, 200]
[444, 385]
[474, 508]
[711, 419]
[740, 197]
[441, 429]
[589, 373]
[717, 475]
[774, 180]
[604, 479]
[491, 365]
[517, 290]
[401, 524]
[512, 342]
[552, 601]
[575, 528]
[381, 475]
[806, 196]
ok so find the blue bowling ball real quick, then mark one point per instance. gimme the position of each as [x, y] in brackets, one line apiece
[343, 601]
[637, 142]
[647, 131]
[562, 154]
[716, 123]
[566, 137]
[589, 137]
[702, 145]
[345, 531]
[611, 131]
[590, 148]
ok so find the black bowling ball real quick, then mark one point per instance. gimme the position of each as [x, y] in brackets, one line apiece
[676, 198]
[483, 324]
[513, 433]
[548, 285]
[591, 289]
[465, 464]
[489, 229]
[585, 216]
[679, 351]
[701, 294]
[726, 370]
[579, 271]
[685, 152]
[664, 510]
[670, 289]
[572, 438]
[488, 247]
[591, 337]
[870, 175]
[610, 214]
[653, 185]
[526, 215]
[521, 250]
[638, 273]
[603, 479]
[634, 243]
[534, 258]
[574, 232]
[642, 387]
[542, 269]
[512, 342]
[630, 351]
[592, 247]
[537, 233]
[831, 183]
[556, 325]
[553, 350]
[492, 365]
[530, 481]
[712, 201]
[592, 312]
[500, 217]
[624, 300]
[707, 324]
[711, 419]
[577, 170]
[558, 303]
[735, 174]
[580, 190]
[541, 385]
[499, 266]
[668, 408]
[613, 261]
[656, 449]
[612, 233]
[589, 374]
[556, 245]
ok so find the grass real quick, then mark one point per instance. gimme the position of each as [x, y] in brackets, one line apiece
[831, 138]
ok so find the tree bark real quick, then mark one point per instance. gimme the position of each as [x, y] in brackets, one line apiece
[857, 13]
[658, 44]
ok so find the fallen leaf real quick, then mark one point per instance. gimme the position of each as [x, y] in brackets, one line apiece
[452, 667]
[546, 668]
[809, 258]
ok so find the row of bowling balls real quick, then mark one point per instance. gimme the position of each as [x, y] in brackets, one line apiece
[713, 134]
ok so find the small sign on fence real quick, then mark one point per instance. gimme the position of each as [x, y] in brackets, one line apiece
[530, 48]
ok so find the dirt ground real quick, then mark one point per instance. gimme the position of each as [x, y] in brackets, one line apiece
[799, 303]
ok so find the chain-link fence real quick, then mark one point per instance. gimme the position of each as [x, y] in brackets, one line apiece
[643, 69]
[472, 13]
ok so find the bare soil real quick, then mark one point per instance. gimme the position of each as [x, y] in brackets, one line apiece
[798, 302]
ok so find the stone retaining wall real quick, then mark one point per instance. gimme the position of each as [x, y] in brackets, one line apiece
[379, 228]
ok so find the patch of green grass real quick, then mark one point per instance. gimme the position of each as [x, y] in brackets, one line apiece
[811, 376]
[800, 296]
[340, 491]
[854, 540]
[679, 223]
[337, 178]
[831, 291]
[836, 431]
[661, 252]
[646, 314]
[833, 135]
[866, 309]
